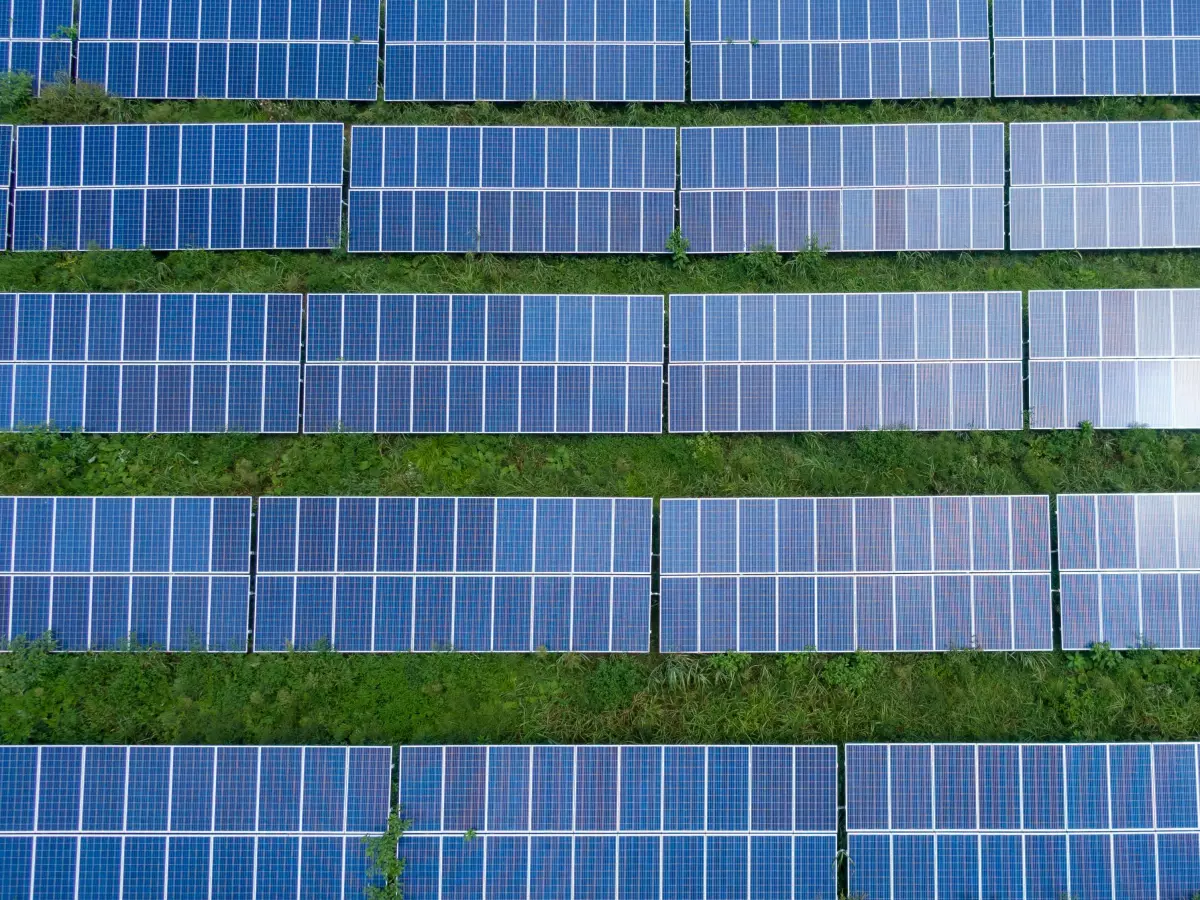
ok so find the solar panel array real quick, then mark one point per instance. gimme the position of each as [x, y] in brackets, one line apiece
[839, 49]
[468, 573]
[843, 187]
[618, 50]
[191, 822]
[1101, 185]
[1116, 359]
[35, 37]
[634, 821]
[150, 362]
[264, 49]
[511, 190]
[168, 187]
[6, 171]
[842, 574]
[1022, 820]
[102, 572]
[833, 362]
[500, 363]
[1079, 47]
[1129, 570]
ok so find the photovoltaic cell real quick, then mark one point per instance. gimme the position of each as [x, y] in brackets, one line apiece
[619, 50]
[1116, 359]
[479, 574]
[866, 573]
[1022, 820]
[845, 362]
[191, 822]
[1102, 185]
[101, 572]
[1083, 47]
[150, 362]
[843, 187]
[264, 49]
[35, 37]
[6, 168]
[169, 187]
[500, 363]
[839, 49]
[631, 821]
[1129, 570]
[511, 190]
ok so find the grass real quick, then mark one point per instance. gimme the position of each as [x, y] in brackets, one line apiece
[327, 698]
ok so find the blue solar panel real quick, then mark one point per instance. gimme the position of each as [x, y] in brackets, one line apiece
[1129, 570]
[6, 167]
[168, 187]
[99, 572]
[511, 190]
[1101, 185]
[867, 573]
[1082, 47]
[35, 37]
[1022, 820]
[191, 822]
[1116, 359]
[264, 49]
[632, 821]
[843, 187]
[500, 363]
[853, 362]
[150, 362]
[504, 50]
[839, 49]
[438, 573]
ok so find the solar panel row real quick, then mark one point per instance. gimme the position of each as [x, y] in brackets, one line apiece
[35, 37]
[842, 574]
[103, 573]
[616, 50]
[1076, 47]
[839, 49]
[499, 363]
[169, 187]
[1116, 359]
[150, 362]
[833, 362]
[191, 822]
[1100, 185]
[468, 573]
[1022, 820]
[511, 190]
[635, 821]
[843, 187]
[264, 49]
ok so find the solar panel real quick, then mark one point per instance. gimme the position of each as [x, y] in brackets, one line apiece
[1129, 570]
[834, 362]
[1081, 47]
[35, 37]
[839, 49]
[1116, 359]
[507, 50]
[191, 822]
[150, 362]
[835, 574]
[511, 190]
[170, 187]
[6, 169]
[278, 49]
[481, 574]
[606, 821]
[100, 572]
[843, 187]
[1022, 820]
[500, 363]
[1100, 185]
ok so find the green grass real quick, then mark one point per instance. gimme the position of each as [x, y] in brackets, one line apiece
[151, 697]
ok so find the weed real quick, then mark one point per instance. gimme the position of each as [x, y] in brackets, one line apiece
[387, 862]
